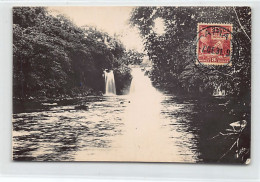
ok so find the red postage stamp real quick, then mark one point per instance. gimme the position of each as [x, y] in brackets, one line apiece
[214, 46]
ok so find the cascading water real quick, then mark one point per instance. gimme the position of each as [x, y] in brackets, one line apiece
[141, 85]
[144, 121]
[110, 86]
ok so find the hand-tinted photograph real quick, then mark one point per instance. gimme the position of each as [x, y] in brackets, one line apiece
[132, 84]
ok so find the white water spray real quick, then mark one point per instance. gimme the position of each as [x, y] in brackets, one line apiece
[141, 86]
[110, 86]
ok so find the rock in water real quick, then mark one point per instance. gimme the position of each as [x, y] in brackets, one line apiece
[81, 107]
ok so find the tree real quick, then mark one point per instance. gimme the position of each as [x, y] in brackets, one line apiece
[53, 57]
[173, 52]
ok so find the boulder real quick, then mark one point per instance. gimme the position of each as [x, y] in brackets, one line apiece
[81, 107]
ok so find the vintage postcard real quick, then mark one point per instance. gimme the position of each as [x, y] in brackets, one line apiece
[132, 84]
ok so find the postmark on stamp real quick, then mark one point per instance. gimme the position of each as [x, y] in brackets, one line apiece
[214, 44]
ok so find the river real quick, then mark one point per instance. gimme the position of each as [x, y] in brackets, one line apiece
[145, 125]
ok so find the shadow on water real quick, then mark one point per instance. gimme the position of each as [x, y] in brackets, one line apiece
[56, 132]
[205, 118]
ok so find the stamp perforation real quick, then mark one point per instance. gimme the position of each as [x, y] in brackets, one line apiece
[220, 42]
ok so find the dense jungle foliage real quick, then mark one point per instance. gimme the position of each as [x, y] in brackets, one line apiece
[173, 56]
[52, 57]
[173, 52]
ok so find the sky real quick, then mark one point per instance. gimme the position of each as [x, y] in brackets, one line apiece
[113, 20]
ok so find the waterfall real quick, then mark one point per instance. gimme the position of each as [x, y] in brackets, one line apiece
[137, 83]
[141, 85]
[110, 87]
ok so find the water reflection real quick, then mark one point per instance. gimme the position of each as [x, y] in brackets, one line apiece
[182, 131]
[143, 126]
[57, 134]
[171, 129]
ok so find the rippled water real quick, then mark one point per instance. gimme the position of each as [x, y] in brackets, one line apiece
[144, 126]
[59, 132]
[110, 130]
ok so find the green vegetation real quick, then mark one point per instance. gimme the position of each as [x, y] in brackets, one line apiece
[52, 57]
